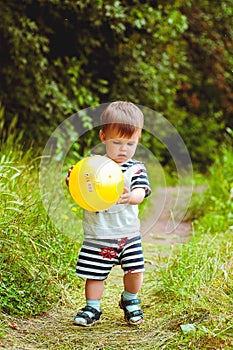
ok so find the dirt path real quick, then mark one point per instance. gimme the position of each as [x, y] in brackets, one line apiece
[162, 225]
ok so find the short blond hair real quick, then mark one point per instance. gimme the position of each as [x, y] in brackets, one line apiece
[125, 117]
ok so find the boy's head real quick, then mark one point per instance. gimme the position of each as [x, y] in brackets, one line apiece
[122, 124]
[124, 118]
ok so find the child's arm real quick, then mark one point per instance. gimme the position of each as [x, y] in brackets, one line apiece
[136, 196]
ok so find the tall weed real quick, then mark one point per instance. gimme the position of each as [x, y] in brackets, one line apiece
[218, 199]
[37, 262]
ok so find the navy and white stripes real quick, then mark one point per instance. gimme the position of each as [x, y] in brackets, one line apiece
[139, 177]
[97, 257]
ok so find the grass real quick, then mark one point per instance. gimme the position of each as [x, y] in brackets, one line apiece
[36, 260]
[190, 285]
[34, 256]
[169, 311]
[187, 292]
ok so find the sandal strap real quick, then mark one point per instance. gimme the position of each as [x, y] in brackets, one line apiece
[93, 310]
[89, 319]
[84, 316]
[130, 302]
[131, 314]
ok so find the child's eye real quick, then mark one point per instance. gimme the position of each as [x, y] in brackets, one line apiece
[116, 142]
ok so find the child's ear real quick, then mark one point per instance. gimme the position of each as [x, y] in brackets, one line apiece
[102, 136]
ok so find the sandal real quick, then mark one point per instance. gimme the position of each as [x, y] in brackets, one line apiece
[87, 319]
[129, 315]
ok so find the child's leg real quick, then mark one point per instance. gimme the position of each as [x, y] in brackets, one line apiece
[94, 289]
[92, 311]
[129, 301]
[133, 282]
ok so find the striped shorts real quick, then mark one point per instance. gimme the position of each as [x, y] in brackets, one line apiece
[98, 256]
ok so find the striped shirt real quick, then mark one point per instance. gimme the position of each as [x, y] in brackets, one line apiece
[139, 175]
[121, 220]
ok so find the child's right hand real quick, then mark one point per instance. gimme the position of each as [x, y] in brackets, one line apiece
[68, 175]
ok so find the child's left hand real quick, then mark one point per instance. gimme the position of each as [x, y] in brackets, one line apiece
[125, 197]
[135, 196]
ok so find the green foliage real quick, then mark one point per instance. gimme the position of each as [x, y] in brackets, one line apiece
[206, 96]
[148, 67]
[217, 200]
[59, 57]
[39, 90]
[37, 262]
[213, 208]
[209, 37]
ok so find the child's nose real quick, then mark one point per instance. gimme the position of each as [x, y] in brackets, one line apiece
[123, 146]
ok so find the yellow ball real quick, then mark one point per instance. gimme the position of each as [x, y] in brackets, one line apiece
[96, 183]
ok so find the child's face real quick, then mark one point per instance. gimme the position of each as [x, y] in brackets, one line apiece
[119, 149]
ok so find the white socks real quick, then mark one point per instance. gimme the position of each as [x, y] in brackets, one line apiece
[94, 303]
